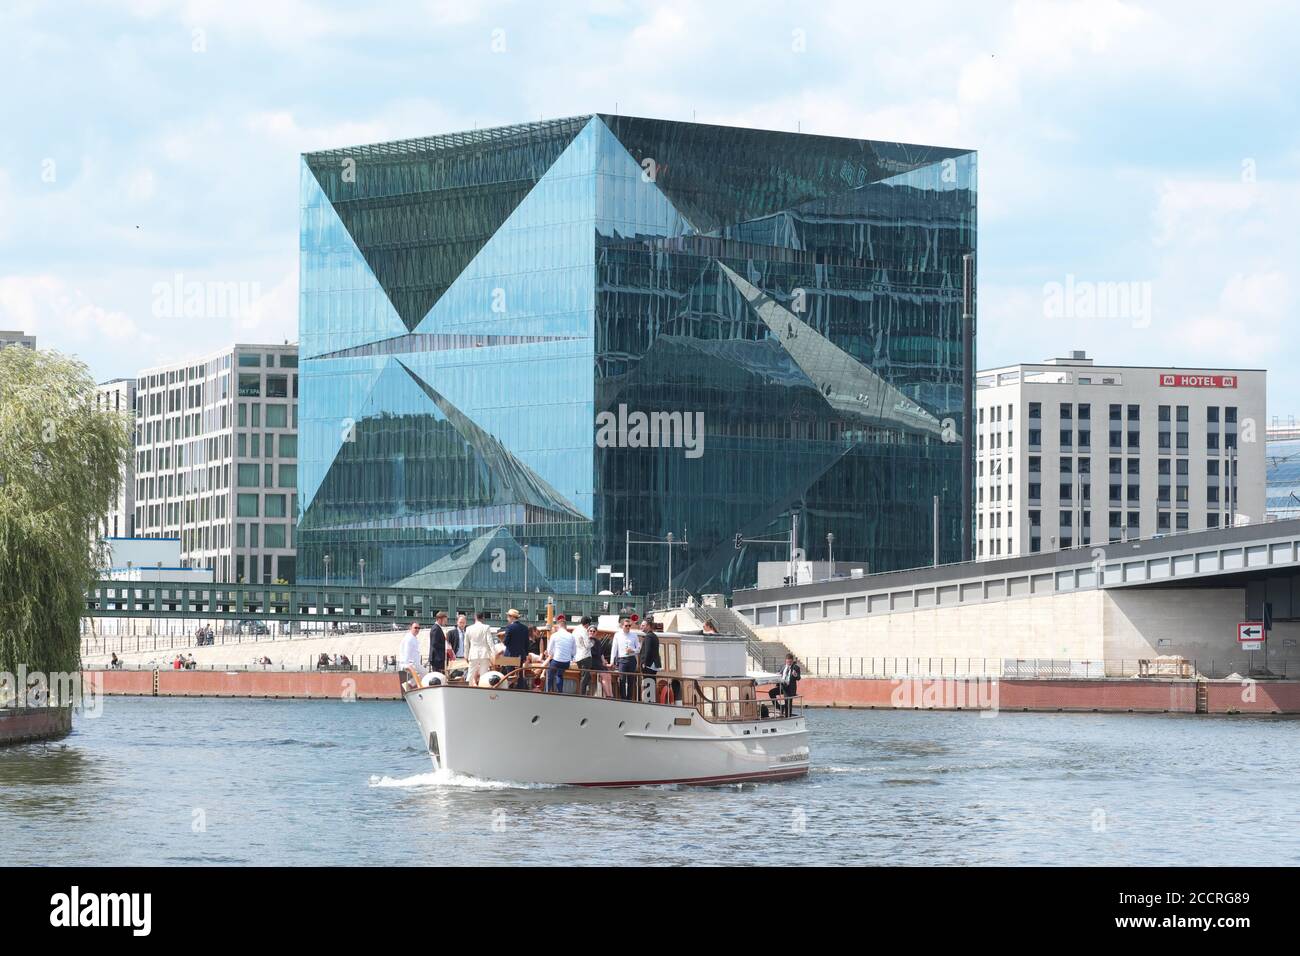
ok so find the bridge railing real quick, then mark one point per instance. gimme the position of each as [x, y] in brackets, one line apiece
[268, 602]
[1032, 668]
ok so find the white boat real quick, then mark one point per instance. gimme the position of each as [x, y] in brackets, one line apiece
[700, 721]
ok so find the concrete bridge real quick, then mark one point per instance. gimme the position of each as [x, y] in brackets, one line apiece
[1177, 595]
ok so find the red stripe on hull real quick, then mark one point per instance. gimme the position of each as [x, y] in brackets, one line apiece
[761, 775]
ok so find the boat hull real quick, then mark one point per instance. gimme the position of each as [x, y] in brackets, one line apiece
[531, 737]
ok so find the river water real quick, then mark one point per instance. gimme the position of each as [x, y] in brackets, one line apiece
[168, 781]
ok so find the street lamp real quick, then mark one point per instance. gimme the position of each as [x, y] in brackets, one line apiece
[576, 558]
[327, 570]
[525, 569]
[361, 562]
[830, 551]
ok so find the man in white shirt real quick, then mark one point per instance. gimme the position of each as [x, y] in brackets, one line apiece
[408, 655]
[480, 645]
[560, 648]
[623, 656]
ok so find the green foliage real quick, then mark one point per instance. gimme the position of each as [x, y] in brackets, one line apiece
[60, 470]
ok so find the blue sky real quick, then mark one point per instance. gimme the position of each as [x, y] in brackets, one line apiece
[1145, 143]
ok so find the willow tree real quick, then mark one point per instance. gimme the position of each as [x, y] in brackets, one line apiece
[60, 471]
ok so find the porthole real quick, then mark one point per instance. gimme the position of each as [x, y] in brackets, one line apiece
[647, 725]
[535, 719]
[620, 725]
[583, 722]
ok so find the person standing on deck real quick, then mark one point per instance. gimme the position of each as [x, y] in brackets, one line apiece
[560, 648]
[408, 655]
[584, 637]
[648, 661]
[438, 643]
[456, 637]
[516, 640]
[788, 685]
[480, 646]
[623, 656]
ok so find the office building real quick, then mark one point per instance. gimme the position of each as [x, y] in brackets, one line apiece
[118, 396]
[22, 339]
[216, 460]
[1073, 454]
[538, 350]
[1282, 458]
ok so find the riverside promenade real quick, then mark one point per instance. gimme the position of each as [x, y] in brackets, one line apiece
[1102, 695]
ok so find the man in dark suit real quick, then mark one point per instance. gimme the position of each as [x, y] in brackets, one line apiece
[787, 686]
[647, 658]
[516, 639]
[456, 637]
[438, 643]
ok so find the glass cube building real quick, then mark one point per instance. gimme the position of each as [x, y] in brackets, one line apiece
[520, 344]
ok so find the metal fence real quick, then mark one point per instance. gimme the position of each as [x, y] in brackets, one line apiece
[1026, 668]
[277, 632]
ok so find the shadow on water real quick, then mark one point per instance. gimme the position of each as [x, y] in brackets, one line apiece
[41, 779]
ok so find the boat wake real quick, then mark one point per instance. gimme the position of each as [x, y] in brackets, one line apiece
[452, 779]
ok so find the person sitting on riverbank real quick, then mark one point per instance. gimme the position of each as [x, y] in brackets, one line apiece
[115, 662]
[323, 661]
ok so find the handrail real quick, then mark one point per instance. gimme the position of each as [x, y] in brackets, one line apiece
[611, 679]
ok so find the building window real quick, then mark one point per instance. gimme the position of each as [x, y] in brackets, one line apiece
[247, 477]
[277, 416]
[250, 386]
[246, 506]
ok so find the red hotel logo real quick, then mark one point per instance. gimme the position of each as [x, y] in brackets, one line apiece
[1182, 380]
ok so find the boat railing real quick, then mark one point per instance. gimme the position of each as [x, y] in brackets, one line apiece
[718, 700]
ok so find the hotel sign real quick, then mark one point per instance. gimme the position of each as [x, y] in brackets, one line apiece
[1183, 380]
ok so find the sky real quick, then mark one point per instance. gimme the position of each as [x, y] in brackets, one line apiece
[1139, 163]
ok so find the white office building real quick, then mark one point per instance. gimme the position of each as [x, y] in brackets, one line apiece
[118, 396]
[22, 339]
[216, 461]
[1072, 454]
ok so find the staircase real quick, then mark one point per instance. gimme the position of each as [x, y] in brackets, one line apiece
[766, 655]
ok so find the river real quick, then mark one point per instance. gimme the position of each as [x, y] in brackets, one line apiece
[230, 782]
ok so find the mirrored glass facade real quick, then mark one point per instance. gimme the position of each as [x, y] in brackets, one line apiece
[519, 344]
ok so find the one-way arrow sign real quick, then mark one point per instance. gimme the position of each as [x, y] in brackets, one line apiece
[1250, 634]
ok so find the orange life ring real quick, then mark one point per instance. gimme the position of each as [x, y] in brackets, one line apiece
[666, 693]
